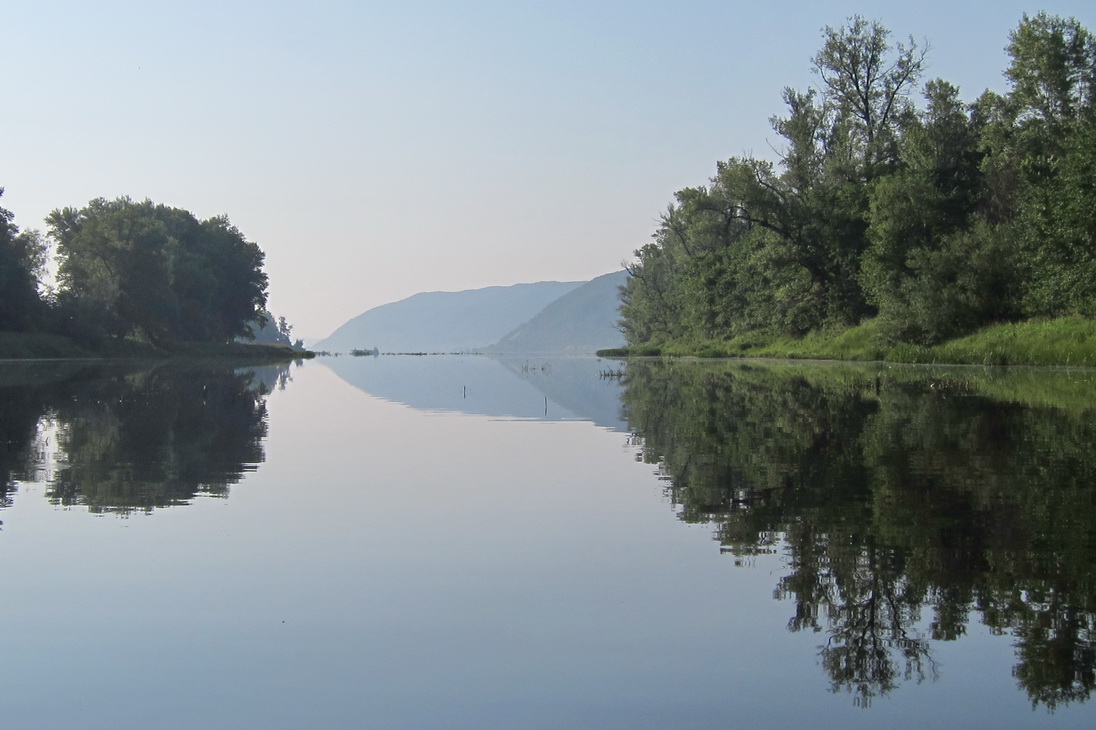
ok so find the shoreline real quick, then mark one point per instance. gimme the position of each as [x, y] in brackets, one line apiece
[41, 347]
[1058, 342]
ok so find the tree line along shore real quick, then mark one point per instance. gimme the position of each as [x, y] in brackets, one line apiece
[938, 230]
[134, 279]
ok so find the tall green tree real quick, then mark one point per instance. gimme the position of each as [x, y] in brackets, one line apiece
[780, 246]
[839, 138]
[934, 268]
[940, 220]
[1053, 71]
[22, 259]
[867, 82]
[115, 260]
[1048, 151]
[156, 273]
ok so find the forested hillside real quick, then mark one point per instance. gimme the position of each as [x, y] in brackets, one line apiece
[893, 198]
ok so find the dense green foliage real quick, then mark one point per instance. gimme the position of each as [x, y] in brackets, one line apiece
[22, 257]
[908, 505]
[155, 273]
[937, 219]
[132, 278]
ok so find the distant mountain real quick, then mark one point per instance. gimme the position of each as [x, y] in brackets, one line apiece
[446, 321]
[583, 320]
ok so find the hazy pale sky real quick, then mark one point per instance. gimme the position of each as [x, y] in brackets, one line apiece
[379, 149]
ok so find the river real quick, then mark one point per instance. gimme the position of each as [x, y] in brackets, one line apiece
[465, 542]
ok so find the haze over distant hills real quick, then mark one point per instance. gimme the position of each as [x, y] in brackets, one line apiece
[583, 320]
[548, 316]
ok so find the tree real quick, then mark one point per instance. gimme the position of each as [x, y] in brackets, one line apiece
[1053, 70]
[155, 273]
[839, 140]
[114, 259]
[933, 270]
[868, 88]
[268, 329]
[22, 258]
[1060, 232]
[780, 246]
[1048, 151]
[940, 220]
[230, 290]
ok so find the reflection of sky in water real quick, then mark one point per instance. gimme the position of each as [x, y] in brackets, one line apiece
[395, 569]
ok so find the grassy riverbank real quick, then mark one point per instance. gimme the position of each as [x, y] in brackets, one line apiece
[1062, 341]
[37, 346]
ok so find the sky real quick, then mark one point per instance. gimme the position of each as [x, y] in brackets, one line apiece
[375, 150]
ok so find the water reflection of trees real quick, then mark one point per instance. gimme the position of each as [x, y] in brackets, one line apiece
[906, 508]
[134, 439]
[19, 415]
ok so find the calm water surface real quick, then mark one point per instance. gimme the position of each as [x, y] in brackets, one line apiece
[460, 542]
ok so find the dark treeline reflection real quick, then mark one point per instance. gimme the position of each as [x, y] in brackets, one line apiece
[908, 503]
[124, 440]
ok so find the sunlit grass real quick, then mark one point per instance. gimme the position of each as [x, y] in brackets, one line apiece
[1065, 341]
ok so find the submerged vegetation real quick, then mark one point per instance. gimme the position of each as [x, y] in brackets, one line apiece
[889, 230]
